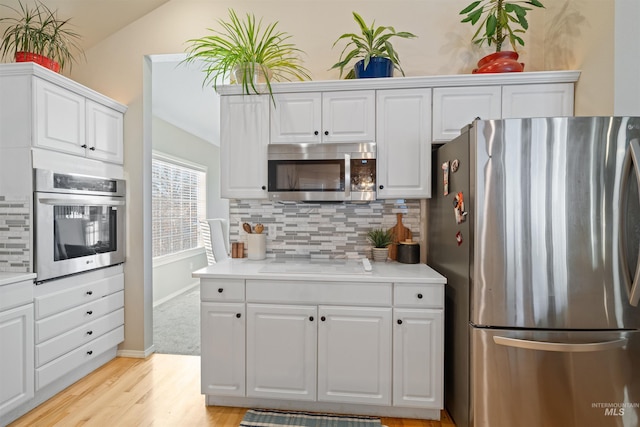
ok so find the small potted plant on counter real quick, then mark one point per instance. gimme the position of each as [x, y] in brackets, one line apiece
[379, 58]
[504, 21]
[248, 54]
[36, 34]
[380, 239]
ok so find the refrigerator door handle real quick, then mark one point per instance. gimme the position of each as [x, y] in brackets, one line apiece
[632, 158]
[562, 347]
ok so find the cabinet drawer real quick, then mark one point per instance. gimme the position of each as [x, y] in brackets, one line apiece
[16, 294]
[70, 361]
[59, 301]
[316, 293]
[227, 290]
[70, 319]
[410, 295]
[55, 347]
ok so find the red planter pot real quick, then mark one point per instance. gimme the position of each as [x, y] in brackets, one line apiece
[38, 59]
[500, 62]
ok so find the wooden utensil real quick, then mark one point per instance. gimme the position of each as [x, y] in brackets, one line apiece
[246, 227]
[400, 234]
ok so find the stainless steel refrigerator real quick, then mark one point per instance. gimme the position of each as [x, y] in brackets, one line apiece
[538, 235]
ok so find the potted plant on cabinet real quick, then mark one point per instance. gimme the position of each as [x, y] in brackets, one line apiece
[380, 239]
[36, 34]
[502, 21]
[379, 58]
[247, 54]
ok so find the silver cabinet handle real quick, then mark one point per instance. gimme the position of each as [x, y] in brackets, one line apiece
[632, 158]
[562, 347]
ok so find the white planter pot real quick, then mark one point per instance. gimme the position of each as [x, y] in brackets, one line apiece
[380, 254]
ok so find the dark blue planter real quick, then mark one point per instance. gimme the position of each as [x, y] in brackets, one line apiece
[378, 67]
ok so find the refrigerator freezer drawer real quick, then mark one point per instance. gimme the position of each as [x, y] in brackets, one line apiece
[555, 378]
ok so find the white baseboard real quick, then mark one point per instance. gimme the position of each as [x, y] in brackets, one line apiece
[137, 354]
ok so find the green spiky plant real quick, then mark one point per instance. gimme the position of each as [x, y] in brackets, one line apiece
[503, 20]
[371, 42]
[37, 29]
[380, 238]
[242, 44]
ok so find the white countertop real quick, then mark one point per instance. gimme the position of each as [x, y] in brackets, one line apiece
[7, 278]
[319, 269]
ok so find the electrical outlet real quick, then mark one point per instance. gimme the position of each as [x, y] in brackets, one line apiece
[271, 230]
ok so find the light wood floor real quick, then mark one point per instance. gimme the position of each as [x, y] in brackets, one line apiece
[162, 390]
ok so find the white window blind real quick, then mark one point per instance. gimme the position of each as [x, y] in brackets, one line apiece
[178, 203]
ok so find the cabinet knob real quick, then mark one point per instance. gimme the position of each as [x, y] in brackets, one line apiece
[238, 315]
[89, 292]
[89, 332]
[220, 290]
[310, 318]
[316, 133]
[399, 321]
[323, 318]
[90, 352]
[92, 148]
[381, 187]
[89, 312]
[83, 146]
[326, 132]
[264, 187]
[419, 296]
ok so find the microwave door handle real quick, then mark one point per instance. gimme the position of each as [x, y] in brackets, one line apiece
[81, 202]
[347, 176]
[561, 347]
[632, 158]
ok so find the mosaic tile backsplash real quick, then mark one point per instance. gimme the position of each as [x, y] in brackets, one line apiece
[14, 236]
[320, 230]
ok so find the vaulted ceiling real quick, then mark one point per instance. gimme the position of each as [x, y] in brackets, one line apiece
[94, 20]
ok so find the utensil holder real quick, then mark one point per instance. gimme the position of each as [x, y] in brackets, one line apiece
[257, 246]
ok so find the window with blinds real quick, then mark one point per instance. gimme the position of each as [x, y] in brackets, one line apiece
[178, 203]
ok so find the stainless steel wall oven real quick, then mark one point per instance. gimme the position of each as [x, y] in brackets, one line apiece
[79, 223]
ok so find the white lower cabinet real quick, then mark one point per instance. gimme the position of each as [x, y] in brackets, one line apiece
[281, 351]
[16, 357]
[418, 358]
[354, 355]
[323, 342]
[222, 342]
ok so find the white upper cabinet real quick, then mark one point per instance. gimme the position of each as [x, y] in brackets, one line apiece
[45, 110]
[537, 100]
[243, 147]
[456, 107]
[321, 117]
[59, 119]
[104, 133]
[404, 143]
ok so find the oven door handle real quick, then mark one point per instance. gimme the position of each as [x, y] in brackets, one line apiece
[97, 201]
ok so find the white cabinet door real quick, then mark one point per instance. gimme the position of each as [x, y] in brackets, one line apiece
[404, 143]
[243, 147]
[456, 107]
[418, 358]
[314, 117]
[281, 351]
[349, 116]
[537, 100]
[222, 341]
[59, 118]
[296, 118]
[354, 355]
[104, 133]
[16, 357]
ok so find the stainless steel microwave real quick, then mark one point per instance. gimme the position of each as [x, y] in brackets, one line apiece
[322, 172]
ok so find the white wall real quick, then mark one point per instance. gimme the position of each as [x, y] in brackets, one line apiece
[568, 34]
